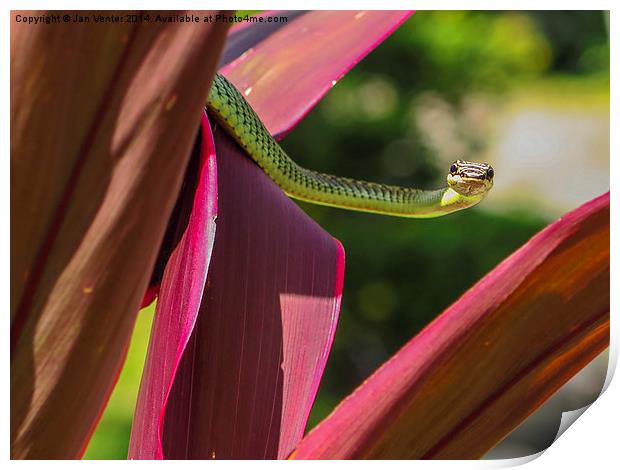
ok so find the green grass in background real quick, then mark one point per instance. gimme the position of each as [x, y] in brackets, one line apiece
[111, 438]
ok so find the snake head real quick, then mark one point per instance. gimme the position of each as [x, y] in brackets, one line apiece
[470, 178]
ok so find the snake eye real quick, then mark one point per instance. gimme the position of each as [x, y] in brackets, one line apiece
[453, 168]
[490, 172]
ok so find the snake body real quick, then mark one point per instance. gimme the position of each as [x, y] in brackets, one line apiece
[467, 183]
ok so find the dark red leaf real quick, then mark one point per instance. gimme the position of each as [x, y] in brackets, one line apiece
[102, 120]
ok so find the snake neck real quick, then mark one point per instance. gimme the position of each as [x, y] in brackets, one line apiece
[377, 198]
[233, 112]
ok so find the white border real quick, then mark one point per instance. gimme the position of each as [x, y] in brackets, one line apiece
[590, 442]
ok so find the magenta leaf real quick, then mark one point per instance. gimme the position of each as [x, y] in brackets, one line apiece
[246, 35]
[286, 74]
[249, 375]
[490, 359]
[177, 308]
[248, 379]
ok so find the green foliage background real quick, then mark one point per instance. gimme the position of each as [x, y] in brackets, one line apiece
[401, 273]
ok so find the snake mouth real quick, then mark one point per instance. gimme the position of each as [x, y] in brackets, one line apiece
[469, 186]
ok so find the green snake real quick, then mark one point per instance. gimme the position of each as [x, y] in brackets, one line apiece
[467, 182]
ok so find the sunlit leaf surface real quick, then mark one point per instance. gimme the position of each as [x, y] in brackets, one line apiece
[248, 378]
[245, 35]
[287, 73]
[179, 300]
[490, 359]
[95, 171]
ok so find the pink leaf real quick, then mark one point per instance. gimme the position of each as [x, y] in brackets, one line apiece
[490, 359]
[246, 35]
[249, 376]
[286, 74]
[177, 308]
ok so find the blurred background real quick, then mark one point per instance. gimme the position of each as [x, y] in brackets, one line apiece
[526, 91]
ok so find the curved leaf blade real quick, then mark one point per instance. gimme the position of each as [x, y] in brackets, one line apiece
[248, 378]
[177, 308]
[489, 360]
[285, 75]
